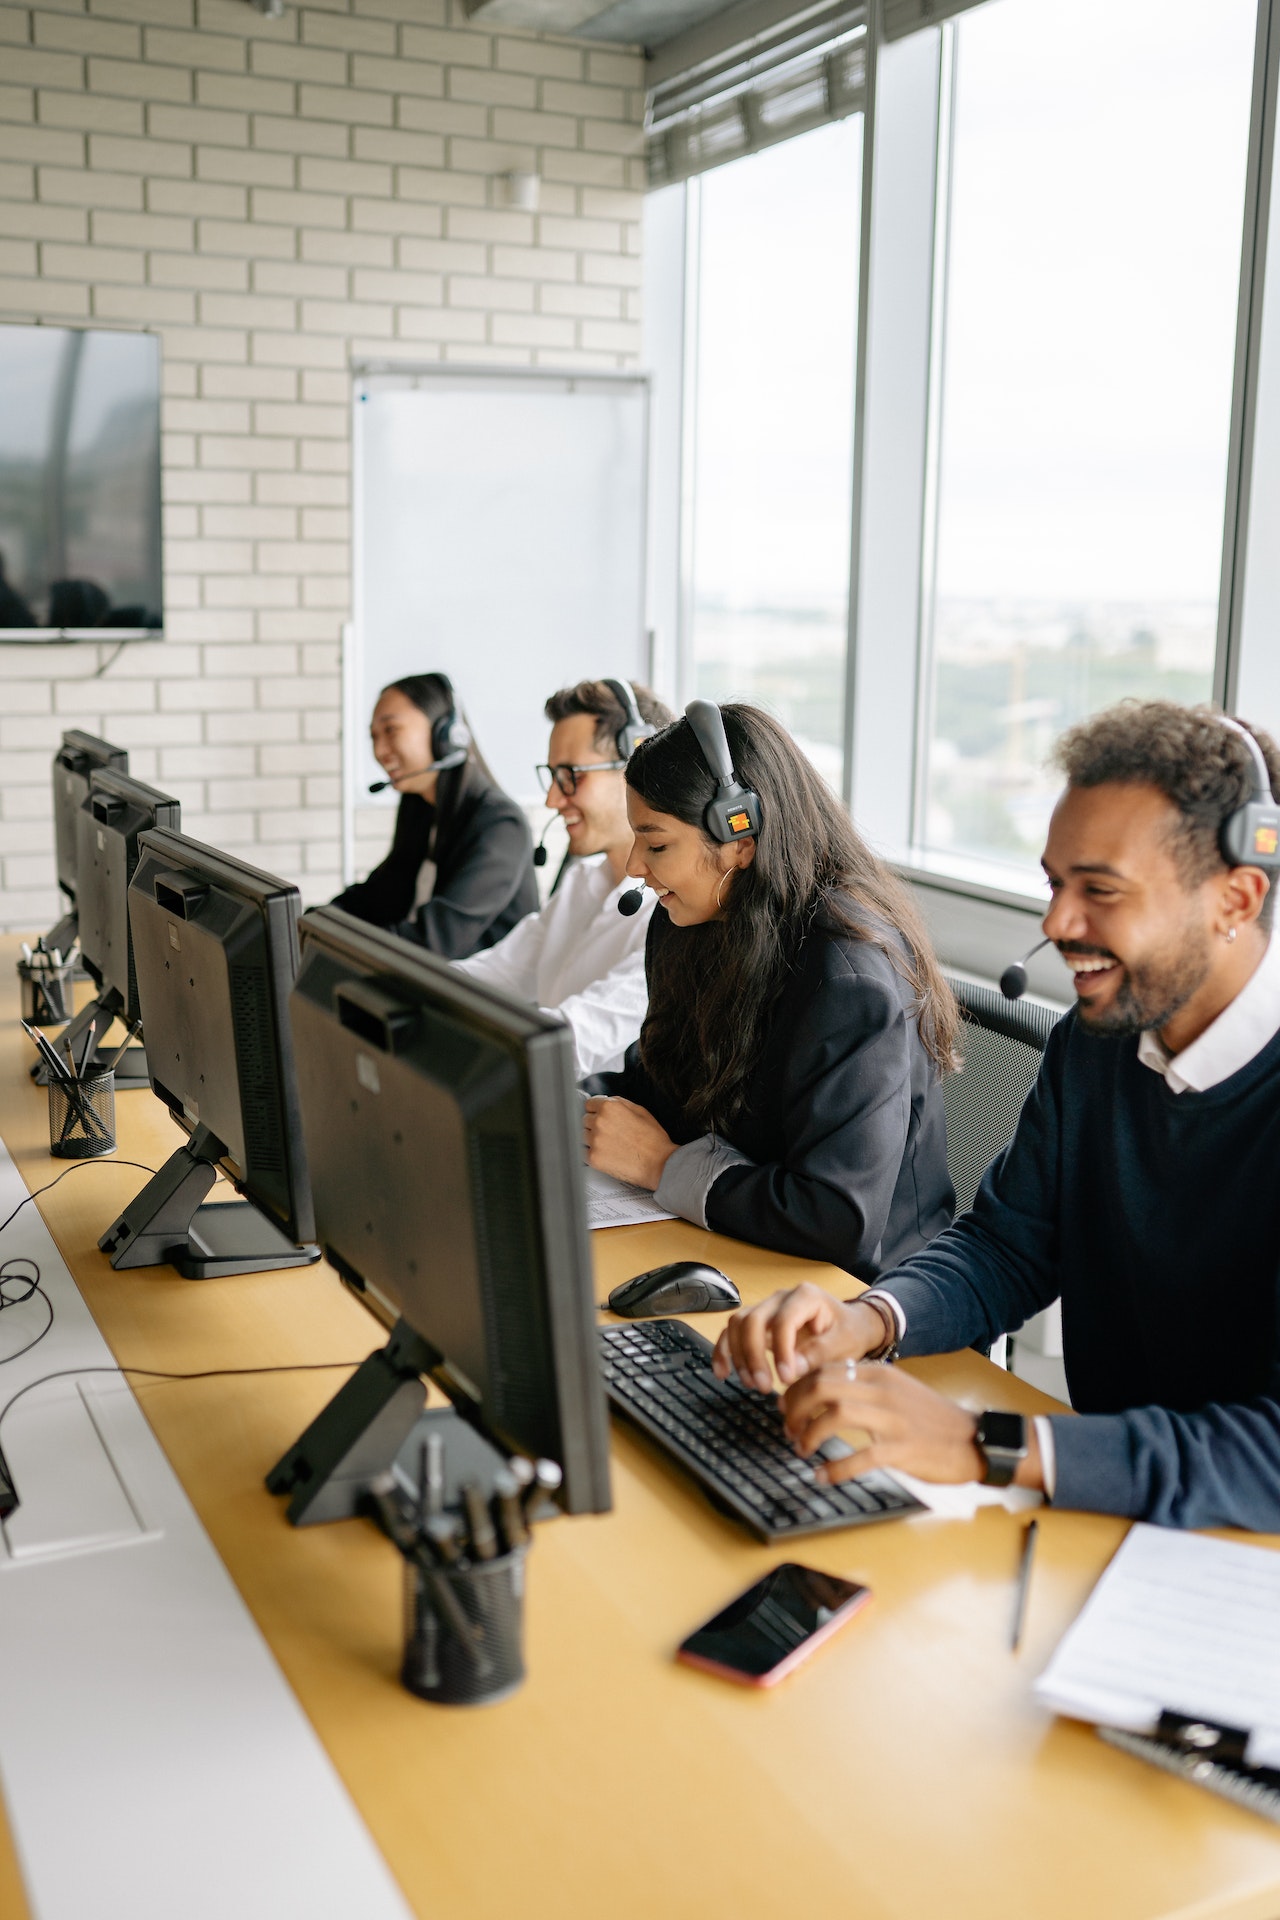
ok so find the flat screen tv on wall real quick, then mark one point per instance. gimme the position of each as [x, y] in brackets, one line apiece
[79, 481]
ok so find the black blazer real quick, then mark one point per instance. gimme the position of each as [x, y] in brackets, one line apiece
[484, 869]
[844, 1118]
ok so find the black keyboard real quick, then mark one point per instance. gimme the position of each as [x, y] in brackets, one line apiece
[658, 1374]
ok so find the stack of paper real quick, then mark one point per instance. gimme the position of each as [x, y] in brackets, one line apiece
[1178, 1623]
[613, 1203]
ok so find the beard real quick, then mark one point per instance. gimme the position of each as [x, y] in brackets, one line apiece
[1152, 991]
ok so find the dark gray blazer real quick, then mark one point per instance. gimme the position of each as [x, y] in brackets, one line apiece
[844, 1123]
[484, 869]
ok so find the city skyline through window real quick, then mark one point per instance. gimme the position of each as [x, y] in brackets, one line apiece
[777, 269]
[1095, 223]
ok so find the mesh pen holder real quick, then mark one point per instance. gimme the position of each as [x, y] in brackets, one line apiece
[82, 1117]
[486, 1664]
[46, 993]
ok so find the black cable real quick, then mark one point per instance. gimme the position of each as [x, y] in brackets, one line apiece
[101, 1162]
[24, 1260]
[30, 1282]
[35, 1342]
[6, 1274]
[151, 1373]
[147, 1373]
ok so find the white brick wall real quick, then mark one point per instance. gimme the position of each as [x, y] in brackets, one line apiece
[275, 198]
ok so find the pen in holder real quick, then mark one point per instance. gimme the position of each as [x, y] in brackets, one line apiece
[46, 988]
[464, 1575]
[82, 1116]
[464, 1630]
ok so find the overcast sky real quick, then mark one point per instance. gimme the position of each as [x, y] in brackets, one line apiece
[775, 373]
[1096, 225]
[1098, 199]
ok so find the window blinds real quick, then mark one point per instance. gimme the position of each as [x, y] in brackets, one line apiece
[809, 69]
[901, 17]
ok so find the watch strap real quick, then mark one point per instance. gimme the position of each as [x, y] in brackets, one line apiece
[1002, 1460]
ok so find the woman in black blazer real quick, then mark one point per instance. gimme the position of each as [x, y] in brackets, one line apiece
[786, 1085]
[460, 871]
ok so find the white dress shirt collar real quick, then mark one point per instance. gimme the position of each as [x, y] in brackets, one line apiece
[1228, 1043]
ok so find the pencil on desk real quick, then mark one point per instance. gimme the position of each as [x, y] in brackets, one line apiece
[1024, 1582]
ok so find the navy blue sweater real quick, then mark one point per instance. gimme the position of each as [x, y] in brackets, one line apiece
[1156, 1216]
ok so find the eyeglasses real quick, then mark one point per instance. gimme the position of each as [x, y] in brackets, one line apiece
[566, 777]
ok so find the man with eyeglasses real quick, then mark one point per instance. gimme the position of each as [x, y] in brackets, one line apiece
[580, 957]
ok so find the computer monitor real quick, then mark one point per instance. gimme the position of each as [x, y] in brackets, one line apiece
[76, 759]
[215, 950]
[116, 812]
[444, 1134]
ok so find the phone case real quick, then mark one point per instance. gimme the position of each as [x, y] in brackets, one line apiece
[790, 1661]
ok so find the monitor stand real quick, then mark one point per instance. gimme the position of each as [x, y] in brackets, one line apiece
[166, 1223]
[131, 1065]
[376, 1425]
[62, 937]
[358, 1435]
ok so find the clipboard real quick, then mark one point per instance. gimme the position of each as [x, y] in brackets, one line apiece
[1208, 1756]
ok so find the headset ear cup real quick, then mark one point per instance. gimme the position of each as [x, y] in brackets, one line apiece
[733, 815]
[1250, 837]
[633, 729]
[735, 811]
[450, 741]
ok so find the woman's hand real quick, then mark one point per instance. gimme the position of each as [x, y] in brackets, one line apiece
[625, 1140]
[908, 1425]
[803, 1328]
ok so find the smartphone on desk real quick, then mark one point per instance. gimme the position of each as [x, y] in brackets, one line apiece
[760, 1637]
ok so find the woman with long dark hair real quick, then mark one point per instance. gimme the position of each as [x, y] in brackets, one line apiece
[460, 871]
[786, 1085]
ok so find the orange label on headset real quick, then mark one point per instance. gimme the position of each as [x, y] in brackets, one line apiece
[740, 822]
[1265, 840]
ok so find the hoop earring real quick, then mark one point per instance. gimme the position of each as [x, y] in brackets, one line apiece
[720, 890]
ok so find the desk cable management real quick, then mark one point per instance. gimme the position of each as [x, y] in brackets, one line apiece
[30, 1283]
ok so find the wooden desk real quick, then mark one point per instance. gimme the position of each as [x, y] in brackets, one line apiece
[905, 1774]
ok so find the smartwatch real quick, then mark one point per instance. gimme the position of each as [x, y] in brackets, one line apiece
[1001, 1439]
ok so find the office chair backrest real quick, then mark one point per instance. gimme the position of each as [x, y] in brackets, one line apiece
[1001, 1041]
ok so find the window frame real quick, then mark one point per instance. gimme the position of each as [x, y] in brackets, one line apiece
[978, 912]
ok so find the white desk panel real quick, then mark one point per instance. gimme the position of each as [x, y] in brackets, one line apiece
[154, 1760]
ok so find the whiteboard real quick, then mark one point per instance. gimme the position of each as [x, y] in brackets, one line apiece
[500, 538]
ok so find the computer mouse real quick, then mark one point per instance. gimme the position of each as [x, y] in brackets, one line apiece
[683, 1286]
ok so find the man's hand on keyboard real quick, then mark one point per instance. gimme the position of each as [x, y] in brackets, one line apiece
[908, 1424]
[803, 1328]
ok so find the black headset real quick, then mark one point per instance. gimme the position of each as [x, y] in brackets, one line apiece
[450, 735]
[735, 812]
[1250, 836]
[633, 729]
[627, 738]
[450, 740]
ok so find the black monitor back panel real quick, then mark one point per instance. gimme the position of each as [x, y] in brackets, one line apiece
[443, 1131]
[117, 810]
[73, 763]
[215, 947]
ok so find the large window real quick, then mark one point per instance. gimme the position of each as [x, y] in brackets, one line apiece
[1068, 410]
[1096, 191]
[774, 265]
